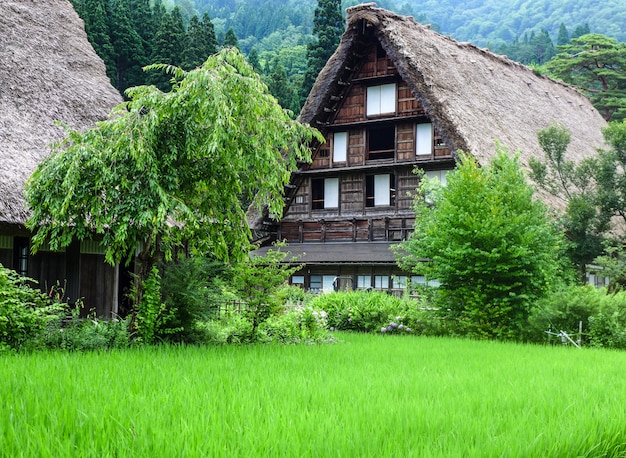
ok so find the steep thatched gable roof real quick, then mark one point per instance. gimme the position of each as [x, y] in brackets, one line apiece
[48, 72]
[473, 96]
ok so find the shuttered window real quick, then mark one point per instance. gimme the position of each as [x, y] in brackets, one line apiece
[381, 99]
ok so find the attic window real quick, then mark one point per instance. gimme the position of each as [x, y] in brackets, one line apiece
[424, 139]
[381, 99]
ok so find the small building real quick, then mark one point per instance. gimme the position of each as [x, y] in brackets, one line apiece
[49, 73]
[396, 96]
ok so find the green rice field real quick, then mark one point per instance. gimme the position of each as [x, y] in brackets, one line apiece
[365, 396]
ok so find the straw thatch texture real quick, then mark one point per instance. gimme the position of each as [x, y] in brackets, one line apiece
[473, 96]
[48, 72]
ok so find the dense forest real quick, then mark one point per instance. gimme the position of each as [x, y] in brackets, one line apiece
[287, 44]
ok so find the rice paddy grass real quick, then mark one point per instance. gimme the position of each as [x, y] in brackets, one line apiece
[365, 396]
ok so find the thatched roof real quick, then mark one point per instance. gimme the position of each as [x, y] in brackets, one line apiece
[48, 72]
[472, 95]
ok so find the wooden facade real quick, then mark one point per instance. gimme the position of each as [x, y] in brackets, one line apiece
[358, 188]
[77, 272]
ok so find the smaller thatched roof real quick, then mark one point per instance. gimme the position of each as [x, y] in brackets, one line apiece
[473, 96]
[48, 72]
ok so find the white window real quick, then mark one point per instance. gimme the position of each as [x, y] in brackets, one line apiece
[381, 99]
[297, 280]
[424, 139]
[328, 283]
[325, 193]
[331, 192]
[364, 281]
[340, 146]
[380, 190]
[438, 175]
[381, 281]
[399, 281]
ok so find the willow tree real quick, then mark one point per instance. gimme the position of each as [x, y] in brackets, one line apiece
[173, 168]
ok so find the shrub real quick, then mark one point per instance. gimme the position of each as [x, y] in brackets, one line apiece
[235, 328]
[563, 310]
[607, 327]
[68, 331]
[153, 321]
[24, 311]
[365, 311]
[192, 291]
[298, 324]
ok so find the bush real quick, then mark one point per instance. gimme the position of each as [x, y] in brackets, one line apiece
[234, 328]
[192, 291]
[74, 333]
[563, 310]
[364, 311]
[607, 328]
[24, 311]
[298, 324]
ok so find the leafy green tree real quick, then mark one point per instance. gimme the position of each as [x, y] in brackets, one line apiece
[488, 242]
[327, 28]
[583, 220]
[580, 30]
[230, 39]
[257, 279]
[171, 168]
[596, 64]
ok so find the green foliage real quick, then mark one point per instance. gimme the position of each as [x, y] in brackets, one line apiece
[603, 316]
[328, 27]
[192, 156]
[258, 278]
[597, 64]
[584, 221]
[153, 320]
[24, 311]
[232, 329]
[70, 332]
[488, 242]
[192, 290]
[296, 325]
[562, 310]
[363, 311]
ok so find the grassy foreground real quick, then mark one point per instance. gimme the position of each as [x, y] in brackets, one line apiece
[366, 396]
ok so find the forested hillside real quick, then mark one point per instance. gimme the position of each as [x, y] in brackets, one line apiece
[483, 22]
[286, 42]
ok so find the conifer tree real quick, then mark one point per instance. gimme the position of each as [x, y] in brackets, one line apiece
[97, 28]
[143, 20]
[327, 28]
[230, 39]
[129, 50]
[201, 42]
[169, 44]
[563, 37]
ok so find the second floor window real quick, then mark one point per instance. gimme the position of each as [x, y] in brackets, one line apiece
[340, 146]
[325, 193]
[380, 190]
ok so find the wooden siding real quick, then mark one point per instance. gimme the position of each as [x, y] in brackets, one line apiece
[377, 63]
[373, 229]
[98, 285]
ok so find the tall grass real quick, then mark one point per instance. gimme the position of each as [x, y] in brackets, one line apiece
[368, 395]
